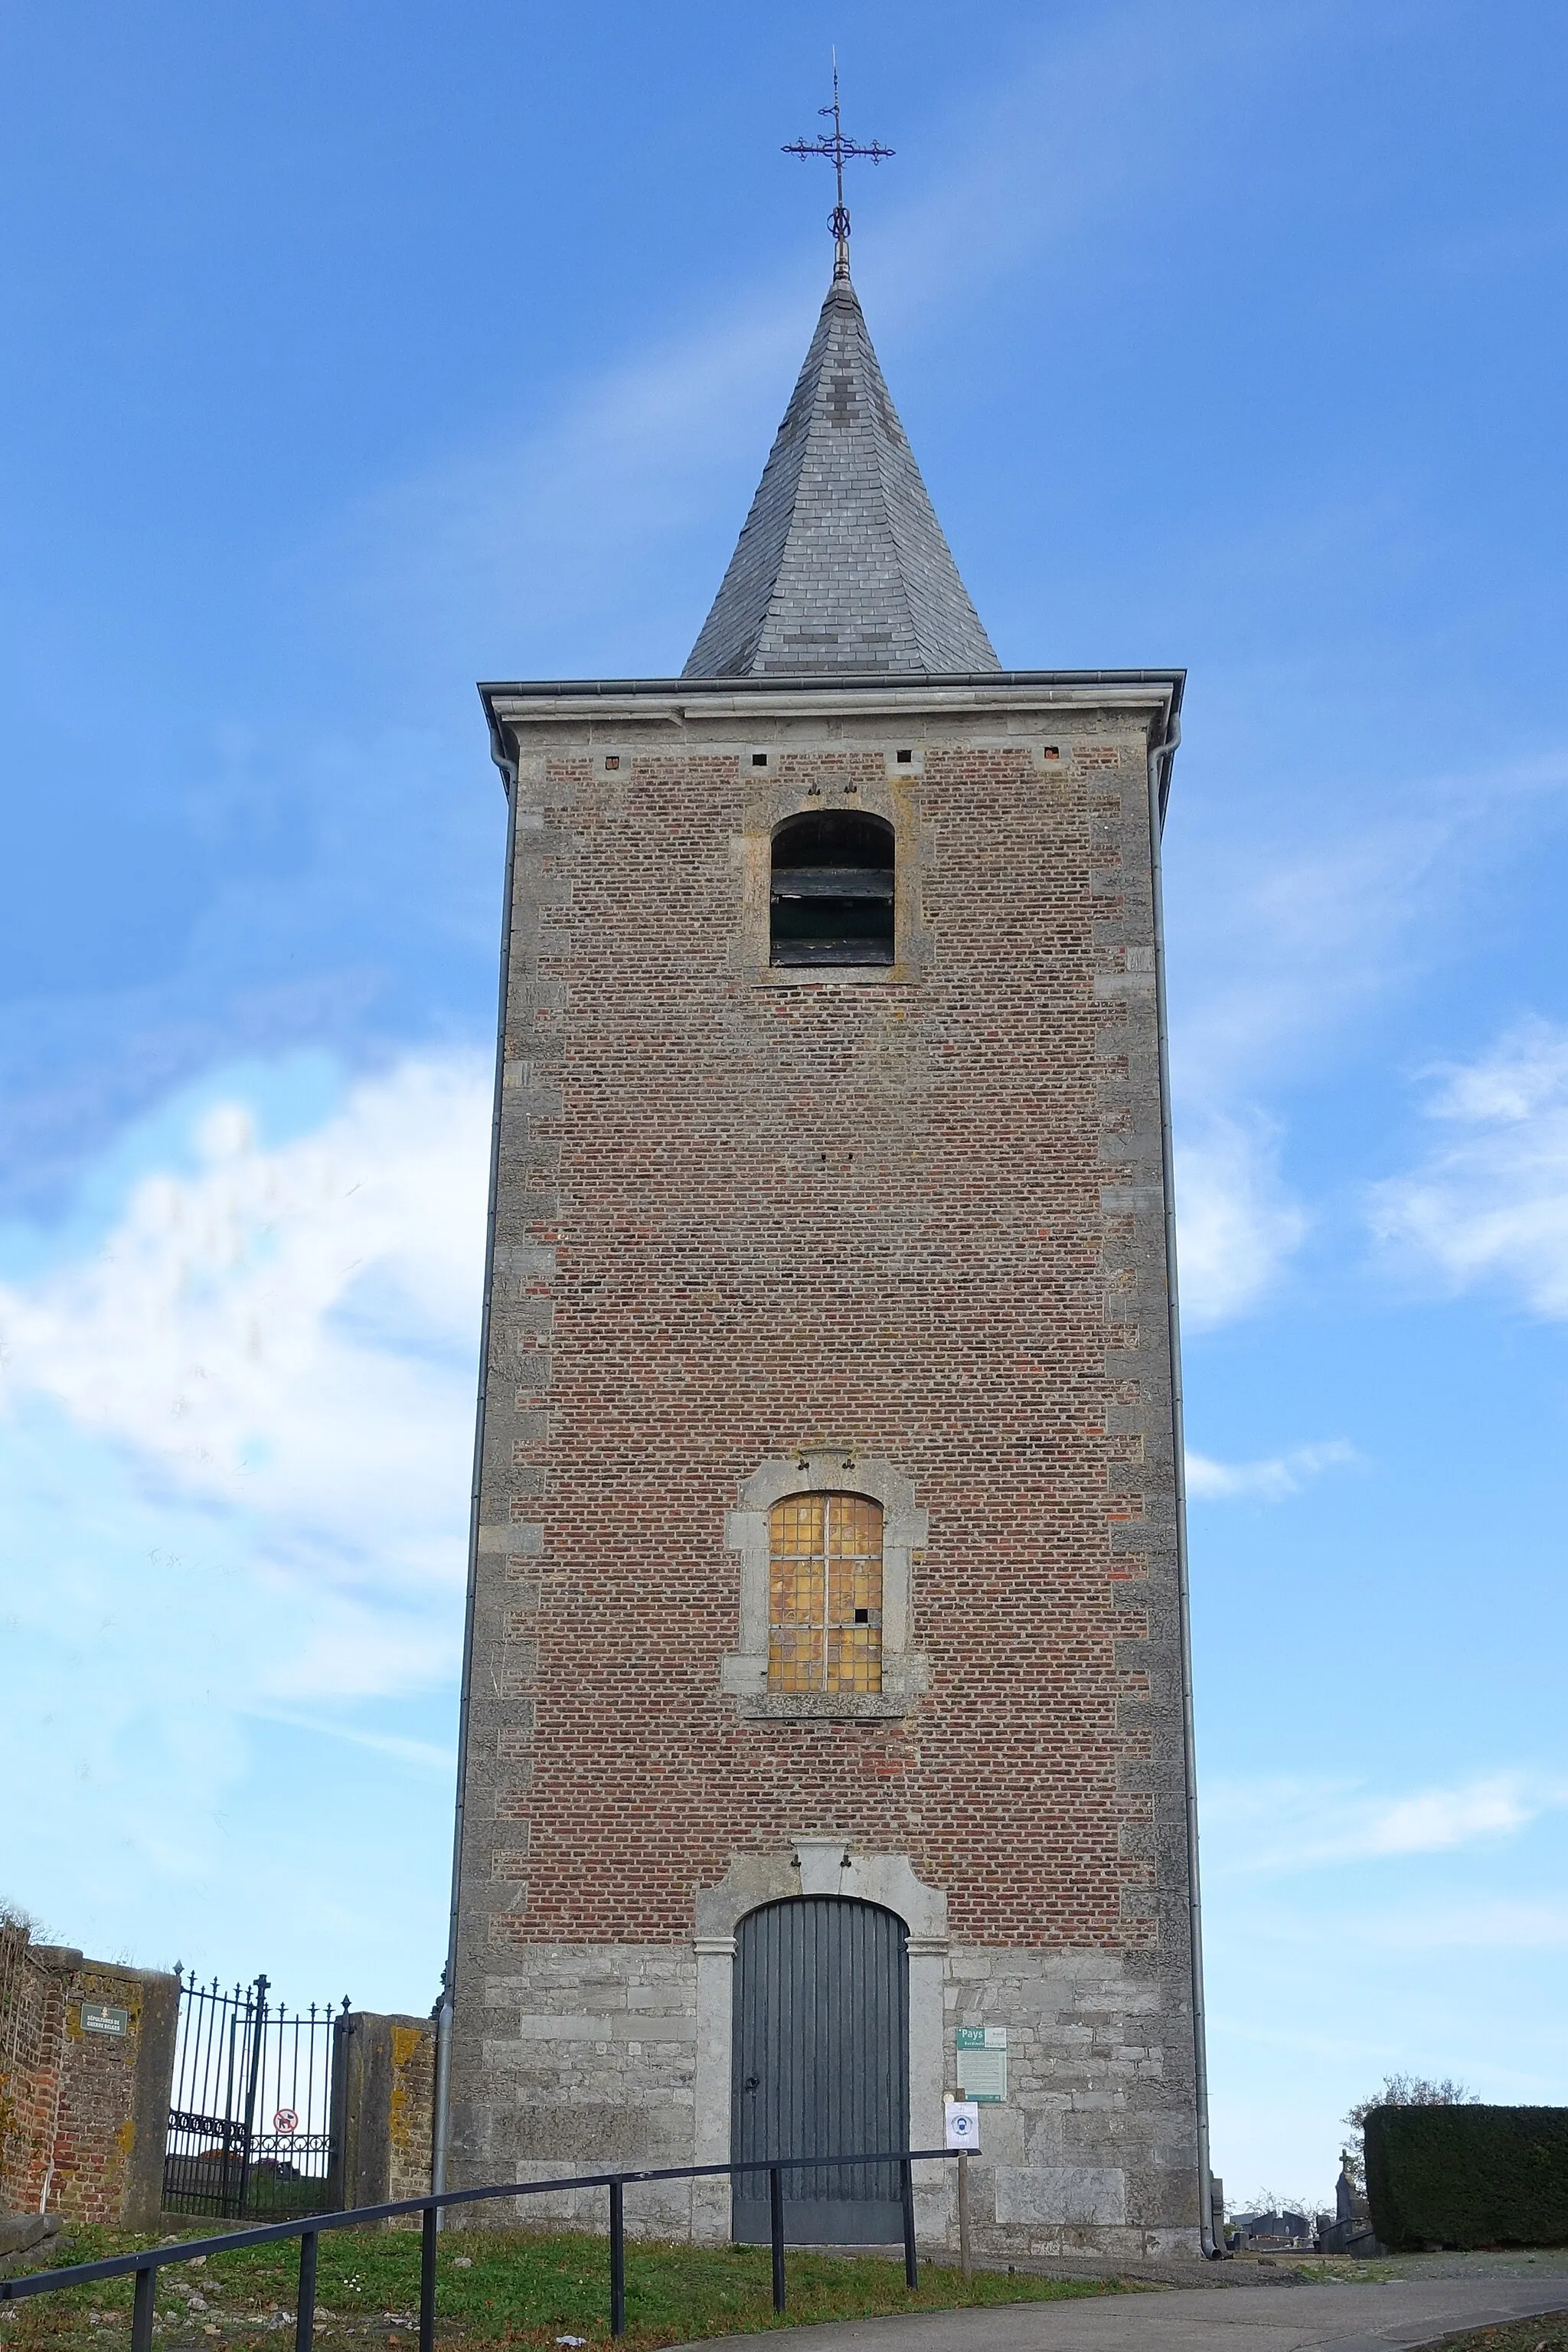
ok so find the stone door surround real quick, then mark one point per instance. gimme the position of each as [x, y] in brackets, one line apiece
[819, 1864]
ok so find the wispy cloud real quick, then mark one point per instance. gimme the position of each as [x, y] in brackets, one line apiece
[1269, 1481]
[1237, 1226]
[1484, 1926]
[284, 1336]
[1492, 1203]
[427, 1754]
[581, 533]
[237, 1421]
[1285, 1825]
[1327, 912]
[590, 539]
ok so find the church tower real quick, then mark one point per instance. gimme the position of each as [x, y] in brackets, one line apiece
[826, 1738]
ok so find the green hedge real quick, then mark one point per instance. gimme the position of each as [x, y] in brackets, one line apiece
[1468, 2176]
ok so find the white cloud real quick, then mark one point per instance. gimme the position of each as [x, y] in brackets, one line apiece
[1327, 911]
[1235, 1225]
[1492, 1204]
[285, 1339]
[1494, 1925]
[583, 528]
[1298, 1824]
[1269, 1481]
[428, 1755]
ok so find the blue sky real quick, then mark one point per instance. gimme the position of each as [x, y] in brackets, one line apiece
[357, 352]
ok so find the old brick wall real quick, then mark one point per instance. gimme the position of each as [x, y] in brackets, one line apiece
[83, 2115]
[31, 2035]
[744, 1212]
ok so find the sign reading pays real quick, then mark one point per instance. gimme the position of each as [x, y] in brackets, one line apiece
[982, 2063]
[97, 2017]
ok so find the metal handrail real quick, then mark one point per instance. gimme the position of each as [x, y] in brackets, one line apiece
[307, 2229]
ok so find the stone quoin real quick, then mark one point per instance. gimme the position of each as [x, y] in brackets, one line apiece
[827, 1684]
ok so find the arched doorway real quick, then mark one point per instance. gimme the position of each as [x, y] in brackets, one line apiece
[821, 2066]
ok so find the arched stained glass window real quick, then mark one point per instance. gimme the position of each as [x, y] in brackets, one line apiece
[824, 1608]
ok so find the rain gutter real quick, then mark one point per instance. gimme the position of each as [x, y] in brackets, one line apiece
[441, 2138]
[1161, 756]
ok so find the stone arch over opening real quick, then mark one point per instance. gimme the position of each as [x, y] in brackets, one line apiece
[820, 1864]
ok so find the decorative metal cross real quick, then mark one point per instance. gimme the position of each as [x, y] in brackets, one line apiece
[839, 150]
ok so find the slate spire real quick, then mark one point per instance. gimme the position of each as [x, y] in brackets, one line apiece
[842, 565]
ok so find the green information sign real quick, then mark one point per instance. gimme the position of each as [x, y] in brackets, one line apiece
[982, 2063]
[97, 2017]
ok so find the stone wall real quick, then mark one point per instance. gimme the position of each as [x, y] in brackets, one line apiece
[596, 2059]
[384, 2093]
[1089, 2151]
[83, 2114]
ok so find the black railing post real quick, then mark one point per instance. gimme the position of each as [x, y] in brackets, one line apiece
[617, 2257]
[142, 2309]
[430, 2222]
[145, 2263]
[305, 2307]
[906, 2194]
[775, 2221]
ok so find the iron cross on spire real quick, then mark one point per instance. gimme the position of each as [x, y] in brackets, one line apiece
[839, 150]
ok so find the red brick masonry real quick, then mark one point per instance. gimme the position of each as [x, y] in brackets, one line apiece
[742, 1212]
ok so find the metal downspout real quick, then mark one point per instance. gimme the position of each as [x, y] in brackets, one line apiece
[441, 2137]
[1161, 756]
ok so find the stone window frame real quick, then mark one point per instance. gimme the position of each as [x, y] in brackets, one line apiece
[825, 1470]
[893, 796]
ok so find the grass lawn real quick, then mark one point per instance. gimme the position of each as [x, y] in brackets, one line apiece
[1549, 2333]
[528, 2288]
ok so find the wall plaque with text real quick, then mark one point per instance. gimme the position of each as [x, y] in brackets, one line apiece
[982, 2063]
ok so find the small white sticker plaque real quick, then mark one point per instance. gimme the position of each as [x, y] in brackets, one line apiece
[963, 2124]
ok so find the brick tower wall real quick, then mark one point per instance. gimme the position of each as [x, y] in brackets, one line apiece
[748, 1217]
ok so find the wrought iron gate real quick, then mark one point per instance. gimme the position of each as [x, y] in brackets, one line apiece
[250, 2112]
[821, 2059]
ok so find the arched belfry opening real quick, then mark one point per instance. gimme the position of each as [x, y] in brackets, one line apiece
[821, 2066]
[832, 896]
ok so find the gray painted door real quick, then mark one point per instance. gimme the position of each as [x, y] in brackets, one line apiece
[821, 2066]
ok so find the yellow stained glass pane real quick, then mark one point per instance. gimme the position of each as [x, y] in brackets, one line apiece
[795, 1527]
[794, 1658]
[826, 1593]
[855, 1658]
[796, 1593]
[854, 1526]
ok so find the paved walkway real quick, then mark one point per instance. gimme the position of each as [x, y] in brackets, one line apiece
[1353, 2315]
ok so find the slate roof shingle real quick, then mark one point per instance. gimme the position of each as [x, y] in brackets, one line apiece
[842, 564]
